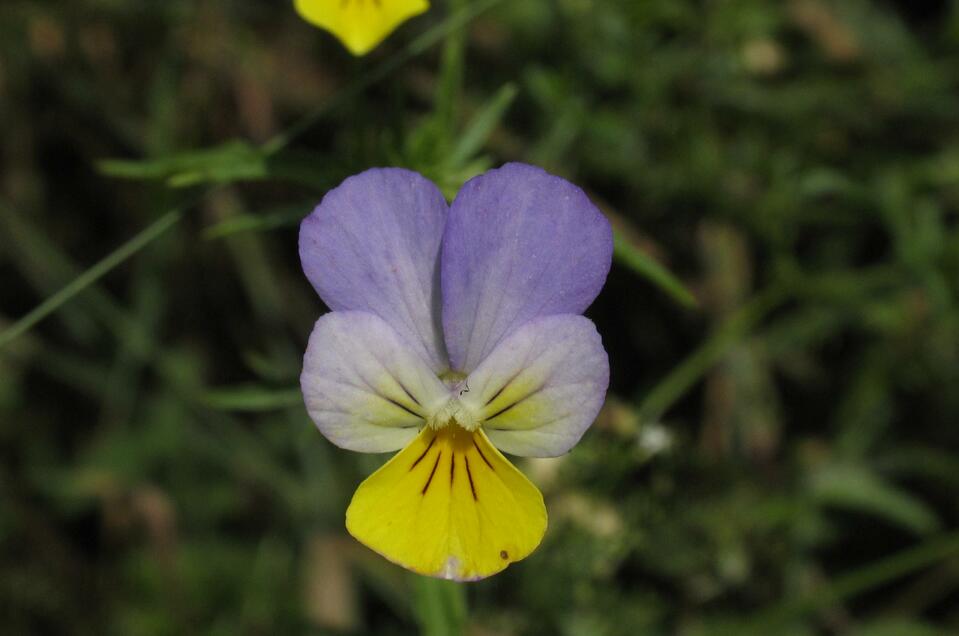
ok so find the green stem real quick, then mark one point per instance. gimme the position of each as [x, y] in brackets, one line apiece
[91, 276]
[450, 87]
[440, 607]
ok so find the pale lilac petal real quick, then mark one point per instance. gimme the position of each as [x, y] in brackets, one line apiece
[541, 387]
[363, 386]
[520, 243]
[373, 245]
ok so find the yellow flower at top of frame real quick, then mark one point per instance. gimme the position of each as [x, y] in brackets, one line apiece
[360, 24]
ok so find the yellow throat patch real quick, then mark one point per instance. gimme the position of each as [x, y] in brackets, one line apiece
[449, 505]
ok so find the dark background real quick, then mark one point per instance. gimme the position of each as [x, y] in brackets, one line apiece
[778, 451]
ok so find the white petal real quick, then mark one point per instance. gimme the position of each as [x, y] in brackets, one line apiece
[541, 387]
[363, 385]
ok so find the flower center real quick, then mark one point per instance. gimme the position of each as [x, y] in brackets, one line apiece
[455, 411]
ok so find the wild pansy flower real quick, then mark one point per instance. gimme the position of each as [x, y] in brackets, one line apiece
[455, 334]
[360, 24]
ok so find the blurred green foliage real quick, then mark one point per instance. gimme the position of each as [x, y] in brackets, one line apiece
[779, 452]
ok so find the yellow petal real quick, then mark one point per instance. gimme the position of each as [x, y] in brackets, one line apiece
[360, 24]
[449, 505]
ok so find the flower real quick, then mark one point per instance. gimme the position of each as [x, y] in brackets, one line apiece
[455, 334]
[360, 24]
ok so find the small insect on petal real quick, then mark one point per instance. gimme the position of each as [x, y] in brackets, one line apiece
[360, 24]
[449, 505]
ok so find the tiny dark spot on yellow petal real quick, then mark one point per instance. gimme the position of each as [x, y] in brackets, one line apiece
[503, 554]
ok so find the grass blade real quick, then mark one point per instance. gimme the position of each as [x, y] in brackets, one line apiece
[91, 276]
[482, 126]
[684, 376]
[252, 398]
[635, 259]
[856, 582]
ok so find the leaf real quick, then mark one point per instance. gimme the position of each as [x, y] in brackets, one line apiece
[687, 373]
[233, 161]
[482, 126]
[626, 252]
[644, 265]
[428, 147]
[283, 217]
[252, 398]
[882, 572]
[857, 488]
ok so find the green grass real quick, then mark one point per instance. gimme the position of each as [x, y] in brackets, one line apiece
[779, 451]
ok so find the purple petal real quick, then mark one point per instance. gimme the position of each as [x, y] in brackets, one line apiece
[520, 243]
[373, 245]
[541, 388]
[363, 386]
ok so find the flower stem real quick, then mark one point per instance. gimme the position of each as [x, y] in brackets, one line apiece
[440, 607]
